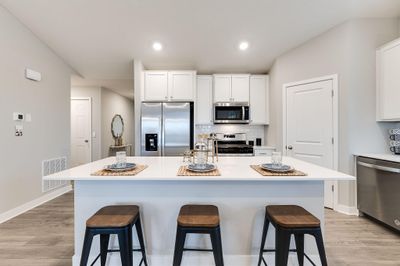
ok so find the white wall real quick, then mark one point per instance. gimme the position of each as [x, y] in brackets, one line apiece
[112, 104]
[349, 51]
[138, 83]
[48, 135]
[95, 94]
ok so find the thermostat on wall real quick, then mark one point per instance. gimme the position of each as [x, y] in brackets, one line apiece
[18, 116]
[33, 75]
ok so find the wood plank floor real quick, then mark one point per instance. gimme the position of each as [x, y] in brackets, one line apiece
[44, 237]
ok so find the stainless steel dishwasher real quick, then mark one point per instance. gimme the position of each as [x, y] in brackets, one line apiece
[378, 190]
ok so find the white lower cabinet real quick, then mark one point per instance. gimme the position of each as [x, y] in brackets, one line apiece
[263, 150]
[204, 106]
[259, 99]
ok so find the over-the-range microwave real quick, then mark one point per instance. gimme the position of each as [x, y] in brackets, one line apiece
[231, 113]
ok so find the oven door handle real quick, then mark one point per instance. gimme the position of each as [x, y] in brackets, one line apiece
[379, 167]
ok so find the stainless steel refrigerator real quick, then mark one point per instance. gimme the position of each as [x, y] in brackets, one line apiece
[166, 128]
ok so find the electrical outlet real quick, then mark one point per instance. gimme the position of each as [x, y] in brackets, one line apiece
[18, 130]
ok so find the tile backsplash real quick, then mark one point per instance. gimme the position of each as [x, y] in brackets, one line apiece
[252, 132]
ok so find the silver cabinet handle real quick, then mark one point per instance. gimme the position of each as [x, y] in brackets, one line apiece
[379, 167]
[166, 97]
[290, 147]
[86, 141]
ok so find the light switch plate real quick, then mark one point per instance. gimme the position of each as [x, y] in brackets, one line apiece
[28, 118]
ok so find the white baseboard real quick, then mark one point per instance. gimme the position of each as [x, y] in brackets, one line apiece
[5, 216]
[203, 259]
[346, 209]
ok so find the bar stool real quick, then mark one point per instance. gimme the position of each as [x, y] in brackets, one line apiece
[288, 220]
[198, 219]
[117, 219]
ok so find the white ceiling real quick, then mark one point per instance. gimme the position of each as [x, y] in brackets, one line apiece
[100, 38]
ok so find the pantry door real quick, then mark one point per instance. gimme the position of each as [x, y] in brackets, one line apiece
[310, 125]
[81, 127]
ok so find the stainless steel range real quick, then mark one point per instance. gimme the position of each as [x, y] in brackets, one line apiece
[233, 144]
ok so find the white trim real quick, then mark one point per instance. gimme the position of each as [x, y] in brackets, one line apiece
[90, 124]
[5, 216]
[346, 209]
[335, 87]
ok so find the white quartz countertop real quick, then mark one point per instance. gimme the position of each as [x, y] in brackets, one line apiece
[231, 169]
[381, 156]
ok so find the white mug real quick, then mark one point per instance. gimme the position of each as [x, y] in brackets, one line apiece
[394, 131]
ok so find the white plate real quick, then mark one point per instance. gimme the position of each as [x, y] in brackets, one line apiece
[195, 168]
[273, 168]
[116, 168]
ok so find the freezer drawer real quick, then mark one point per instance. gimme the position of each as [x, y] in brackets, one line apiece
[378, 187]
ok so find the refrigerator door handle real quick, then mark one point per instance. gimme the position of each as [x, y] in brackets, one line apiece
[162, 131]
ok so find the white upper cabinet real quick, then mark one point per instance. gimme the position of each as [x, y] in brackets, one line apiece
[181, 85]
[259, 99]
[231, 88]
[169, 85]
[204, 107]
[240, 88]
[155, 85]
[222, 88]
[388, 82]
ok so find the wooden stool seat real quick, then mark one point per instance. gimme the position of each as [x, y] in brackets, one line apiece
[291, 220]
[113, 216]
[198, 216]
[114, 220]
[291, 216]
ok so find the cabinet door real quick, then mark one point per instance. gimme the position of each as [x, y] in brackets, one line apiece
[204, 107]
[156, 86]
[222, 88]
[181, 85]
[259, 99]
[240, 88]
[388, 82]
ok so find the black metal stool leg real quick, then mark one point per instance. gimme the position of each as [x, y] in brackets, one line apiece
[87, 244]
[104, 239]
[263, 239]
[139, 232]
[282, 242]
[320, 244]
[217, 246]
[125, 247]
[299, 238]
[179, 246]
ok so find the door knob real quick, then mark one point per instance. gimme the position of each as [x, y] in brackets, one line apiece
[290, 147]
[86, 140]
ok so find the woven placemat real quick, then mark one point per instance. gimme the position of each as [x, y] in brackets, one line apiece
[269, 173]
[139, 168]
[184, 171]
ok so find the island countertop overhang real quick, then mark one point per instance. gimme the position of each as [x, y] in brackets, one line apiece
[231, 169]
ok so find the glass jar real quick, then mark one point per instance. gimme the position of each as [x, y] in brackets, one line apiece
[200, 154]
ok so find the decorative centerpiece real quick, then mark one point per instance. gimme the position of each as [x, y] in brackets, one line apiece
[200, 158]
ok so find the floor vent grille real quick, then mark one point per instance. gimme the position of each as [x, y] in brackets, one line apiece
[50, 167]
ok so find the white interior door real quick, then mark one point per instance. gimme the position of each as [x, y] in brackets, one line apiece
[309, 126]
[80, 131]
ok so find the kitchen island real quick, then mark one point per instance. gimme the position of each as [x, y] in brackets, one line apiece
[240, 193]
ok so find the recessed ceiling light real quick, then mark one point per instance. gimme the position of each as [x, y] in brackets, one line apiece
[243, 46]
[157, 46]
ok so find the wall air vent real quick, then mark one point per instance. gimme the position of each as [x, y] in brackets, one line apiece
[52, 166]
